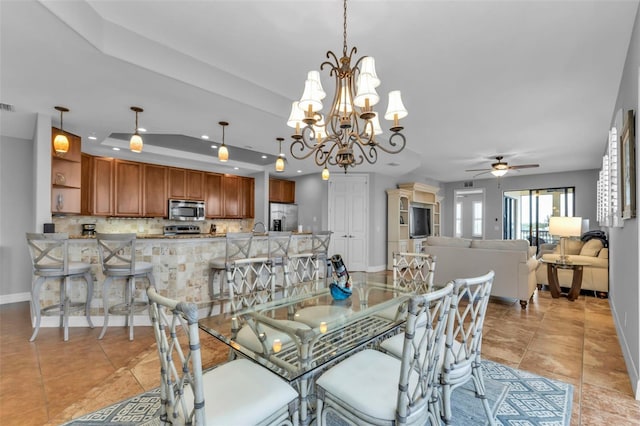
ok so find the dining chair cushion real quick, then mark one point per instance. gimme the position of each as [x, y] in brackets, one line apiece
[229, 387]
[247, 337]
[314, 315]
[368, 382]
[393, 346]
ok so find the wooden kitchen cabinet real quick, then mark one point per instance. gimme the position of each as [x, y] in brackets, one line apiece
[213, 197]
[102, 187]
[247, 195]
[186, 184]
[66, 176]
[128, 188]
[231, 195]
[282, 191]
[85, 184]
[154, 192]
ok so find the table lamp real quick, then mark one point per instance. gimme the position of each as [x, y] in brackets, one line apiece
[565, 226]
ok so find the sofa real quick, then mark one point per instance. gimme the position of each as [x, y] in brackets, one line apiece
[595, 275]
[514, 262]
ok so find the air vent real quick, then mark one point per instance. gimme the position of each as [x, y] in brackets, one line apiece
[468, 184]
[7, 107]
[393, 164]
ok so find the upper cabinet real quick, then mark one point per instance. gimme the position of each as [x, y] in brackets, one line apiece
[114, 187]
[154, 192]
[282, 191]
[186, 184]
[66, 176]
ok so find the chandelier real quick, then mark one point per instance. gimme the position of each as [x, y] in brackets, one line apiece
[346, 135]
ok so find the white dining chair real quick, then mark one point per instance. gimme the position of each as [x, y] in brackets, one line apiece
[372, 387]
[462, 358]
[238, 392]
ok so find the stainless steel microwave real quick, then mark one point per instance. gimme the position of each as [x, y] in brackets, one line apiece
[187, 210]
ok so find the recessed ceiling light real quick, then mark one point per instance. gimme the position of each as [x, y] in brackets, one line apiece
[214, 146]
[264, 156]
[93, 138]
[299, 171]
[115, 148]
[142, 129]
[205, 136]
[236, 168]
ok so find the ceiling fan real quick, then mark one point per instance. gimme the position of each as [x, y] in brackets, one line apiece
[500, 168]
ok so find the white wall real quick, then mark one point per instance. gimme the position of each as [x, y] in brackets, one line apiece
[584, 182]
[624, 264]
[17, 207]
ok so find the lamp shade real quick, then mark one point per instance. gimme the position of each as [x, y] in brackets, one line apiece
[375, 122]
[565, 226]
[311, 97]
[315, 76]
[499, 172]
[296, 116]
[61, 143]
[367, 95]
[223, 153]
[396, 108]
[135, 144]
[369, 67]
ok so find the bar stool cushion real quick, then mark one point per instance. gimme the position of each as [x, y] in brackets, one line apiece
[141, 268]
[367, 382]
[74, 268]
[229, 387]
[247, 337]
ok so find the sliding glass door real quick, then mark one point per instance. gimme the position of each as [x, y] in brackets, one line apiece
[526, 213]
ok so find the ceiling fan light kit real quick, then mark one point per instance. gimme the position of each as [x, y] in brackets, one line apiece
[501, 168]
[346, 135]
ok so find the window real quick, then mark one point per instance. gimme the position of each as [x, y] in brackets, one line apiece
[477, 219]
[458, 220]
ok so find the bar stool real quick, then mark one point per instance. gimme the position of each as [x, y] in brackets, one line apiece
[118, 257]
[50, 258]
[237, 246]
[305, 266]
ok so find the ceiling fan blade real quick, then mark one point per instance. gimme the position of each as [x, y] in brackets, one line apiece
[481, 173]
[524, 166]
[478, 170]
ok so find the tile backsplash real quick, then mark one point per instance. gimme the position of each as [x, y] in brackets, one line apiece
[73, 224]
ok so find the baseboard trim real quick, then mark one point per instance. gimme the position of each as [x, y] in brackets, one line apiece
[5, 299]
[98, 321]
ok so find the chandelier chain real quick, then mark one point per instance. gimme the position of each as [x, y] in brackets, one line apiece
[344, 32]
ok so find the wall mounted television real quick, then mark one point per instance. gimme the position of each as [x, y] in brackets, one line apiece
[419, 220]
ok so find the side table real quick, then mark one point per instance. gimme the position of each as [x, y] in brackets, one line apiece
[554, 284]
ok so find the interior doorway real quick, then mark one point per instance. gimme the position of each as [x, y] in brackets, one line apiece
[526, 212]
[469, 213]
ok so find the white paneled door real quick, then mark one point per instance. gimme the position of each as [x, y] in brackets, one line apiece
[349, 219]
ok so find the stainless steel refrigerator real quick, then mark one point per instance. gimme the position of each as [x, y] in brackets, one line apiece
[283, 217]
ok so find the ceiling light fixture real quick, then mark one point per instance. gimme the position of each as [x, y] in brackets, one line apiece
[350, 125]
[499, 172]
[61, 142]
[223, 152]
[280, 160]
[135, 143]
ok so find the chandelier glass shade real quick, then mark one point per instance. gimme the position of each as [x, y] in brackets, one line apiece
[346, 135]
[135, 143]
[61, 142]
[223, 152]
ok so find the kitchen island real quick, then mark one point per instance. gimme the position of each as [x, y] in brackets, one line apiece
[180, 268]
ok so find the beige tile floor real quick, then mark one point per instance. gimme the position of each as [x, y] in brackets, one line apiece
[50, 381]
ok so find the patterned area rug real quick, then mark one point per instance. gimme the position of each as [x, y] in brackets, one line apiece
[516, 397]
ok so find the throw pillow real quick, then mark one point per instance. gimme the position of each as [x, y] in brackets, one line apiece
[591, 248]
[570, 247]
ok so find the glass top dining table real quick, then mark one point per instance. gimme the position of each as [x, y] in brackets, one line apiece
[303, 329]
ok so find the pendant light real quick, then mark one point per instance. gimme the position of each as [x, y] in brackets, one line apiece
[61, 142]
[223, 152]
[280, 160]
[135, 143]
[325, 173]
